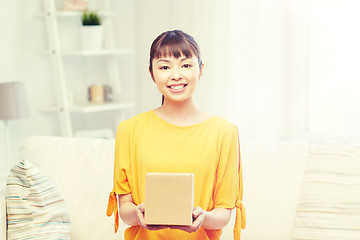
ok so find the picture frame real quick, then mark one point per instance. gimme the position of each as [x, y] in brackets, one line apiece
[75, 5]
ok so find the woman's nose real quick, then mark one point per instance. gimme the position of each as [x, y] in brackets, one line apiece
[175, 75]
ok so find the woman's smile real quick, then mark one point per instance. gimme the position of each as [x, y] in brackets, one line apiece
[177, 87]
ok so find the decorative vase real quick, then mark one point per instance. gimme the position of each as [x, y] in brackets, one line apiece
[91, 37]
[96, 94]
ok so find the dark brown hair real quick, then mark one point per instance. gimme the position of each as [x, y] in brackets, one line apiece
[174, 44]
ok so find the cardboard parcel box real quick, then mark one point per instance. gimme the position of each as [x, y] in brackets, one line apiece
[169, 198]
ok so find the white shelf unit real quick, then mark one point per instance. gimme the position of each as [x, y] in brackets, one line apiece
[91, 108]
[77, 14]
[80, 52]
[64, 107]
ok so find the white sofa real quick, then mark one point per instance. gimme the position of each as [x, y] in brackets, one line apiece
[83, 172]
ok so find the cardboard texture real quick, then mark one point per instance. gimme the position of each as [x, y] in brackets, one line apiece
[169, 198]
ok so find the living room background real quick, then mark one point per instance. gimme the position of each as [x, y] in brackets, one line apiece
[280, 69]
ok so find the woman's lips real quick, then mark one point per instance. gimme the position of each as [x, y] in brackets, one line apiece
[177, 87]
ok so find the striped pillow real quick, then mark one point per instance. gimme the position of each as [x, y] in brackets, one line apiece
[35, 208]
[329, 202]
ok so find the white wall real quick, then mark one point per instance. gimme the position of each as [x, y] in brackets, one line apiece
[25, 35]
[334, 78]
[12, 62]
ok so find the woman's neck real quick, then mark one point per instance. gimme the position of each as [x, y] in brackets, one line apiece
[181, 113]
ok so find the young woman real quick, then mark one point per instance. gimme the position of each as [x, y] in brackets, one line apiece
[178, 137]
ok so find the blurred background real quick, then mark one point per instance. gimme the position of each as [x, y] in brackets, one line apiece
[280, 69]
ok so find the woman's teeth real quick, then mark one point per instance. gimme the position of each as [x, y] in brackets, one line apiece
[177, 87]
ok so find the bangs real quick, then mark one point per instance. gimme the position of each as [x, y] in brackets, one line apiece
[175, 50]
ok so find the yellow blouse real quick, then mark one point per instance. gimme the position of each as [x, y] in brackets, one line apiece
[210, 150]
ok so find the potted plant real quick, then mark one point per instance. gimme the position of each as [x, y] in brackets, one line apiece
[91, 37]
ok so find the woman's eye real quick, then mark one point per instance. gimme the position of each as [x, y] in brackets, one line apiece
[164, 67]
[186, 65]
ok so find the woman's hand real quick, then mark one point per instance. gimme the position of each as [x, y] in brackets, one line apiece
[212, 220]
[134, 215]
[140, 211]
[198, 216]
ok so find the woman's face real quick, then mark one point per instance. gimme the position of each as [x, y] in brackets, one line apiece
[176, 78]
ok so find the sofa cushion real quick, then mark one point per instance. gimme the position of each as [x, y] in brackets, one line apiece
[35, 208]
[329, 203]
[272, 179]
[3, 179]
[83, 171]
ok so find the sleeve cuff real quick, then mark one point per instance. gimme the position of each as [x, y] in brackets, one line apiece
[113, 208]
[240, 221]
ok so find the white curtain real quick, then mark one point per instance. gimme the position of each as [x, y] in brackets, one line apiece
[258, 66]
[334, 77]
[281, 69]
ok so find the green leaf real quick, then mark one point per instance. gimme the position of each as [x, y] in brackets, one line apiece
[90, 18]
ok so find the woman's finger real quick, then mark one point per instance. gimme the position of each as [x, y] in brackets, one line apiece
[198, 214]
[141, 206]
[140, 216]
[197, 211]
[141, 219]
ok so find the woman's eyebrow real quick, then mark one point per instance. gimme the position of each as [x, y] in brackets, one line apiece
[162, 60]
[165, 60]
[185, 58]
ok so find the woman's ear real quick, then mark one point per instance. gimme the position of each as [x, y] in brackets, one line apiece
[152, 75]
[201, 70]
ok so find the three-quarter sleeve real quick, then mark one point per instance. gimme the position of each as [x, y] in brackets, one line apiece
[228, 189]
[122, 160]
[121, 171]
[226, 184]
